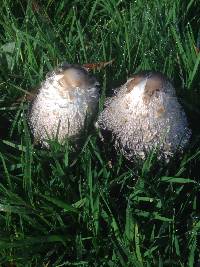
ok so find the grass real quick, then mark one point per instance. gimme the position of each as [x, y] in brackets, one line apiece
[92, 207]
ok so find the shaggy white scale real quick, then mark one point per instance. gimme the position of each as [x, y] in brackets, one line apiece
[145, 114]
[66, 102]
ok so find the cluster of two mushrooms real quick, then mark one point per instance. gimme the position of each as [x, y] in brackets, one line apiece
[144, 114]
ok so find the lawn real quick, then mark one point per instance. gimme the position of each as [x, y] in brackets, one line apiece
[91, 207]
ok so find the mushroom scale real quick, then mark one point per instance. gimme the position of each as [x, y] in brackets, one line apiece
[144, 114]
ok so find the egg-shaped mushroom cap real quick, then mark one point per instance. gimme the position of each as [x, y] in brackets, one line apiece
[144, 114]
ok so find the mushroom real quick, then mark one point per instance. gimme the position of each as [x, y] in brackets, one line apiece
[143, 115]
[65, 104]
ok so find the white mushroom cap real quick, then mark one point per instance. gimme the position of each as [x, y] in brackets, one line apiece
[67, 97]
[145, 114]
